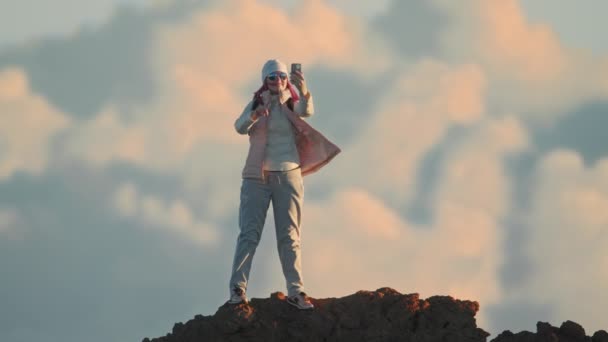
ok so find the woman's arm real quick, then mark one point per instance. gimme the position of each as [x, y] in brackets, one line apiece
[305, 107]
[245, 121]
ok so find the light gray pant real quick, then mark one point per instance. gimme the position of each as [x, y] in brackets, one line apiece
[286, 191]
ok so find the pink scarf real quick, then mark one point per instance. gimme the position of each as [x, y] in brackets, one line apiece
[257, 96]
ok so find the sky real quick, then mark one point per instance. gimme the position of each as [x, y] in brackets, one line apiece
[474, 162]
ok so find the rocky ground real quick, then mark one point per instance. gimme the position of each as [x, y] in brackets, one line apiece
[381, 315]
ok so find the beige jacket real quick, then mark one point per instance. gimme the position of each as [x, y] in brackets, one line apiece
[313, 148]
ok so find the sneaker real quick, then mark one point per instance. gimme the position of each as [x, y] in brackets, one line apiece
[238, 296]
[300, 301]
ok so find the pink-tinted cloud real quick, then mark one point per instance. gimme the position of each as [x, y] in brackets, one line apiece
[497, 34]
[201, 66]
[530, 71]
[474, 174]
[367, 245]
[29, 123]
[356, 238]
[231, 41]
[412, 117]
[107, 138]
[568, 235]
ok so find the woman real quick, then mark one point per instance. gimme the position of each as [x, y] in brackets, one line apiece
[283, 148]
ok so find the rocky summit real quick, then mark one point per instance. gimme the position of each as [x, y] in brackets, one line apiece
[381, 315]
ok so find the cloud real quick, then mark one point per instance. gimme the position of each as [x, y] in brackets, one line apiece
[372, 221]
[91, 68]
[474, 175]
[360, 240]
[30, 19]
[508, 43]
[367, 9]
[345, 240]
[107, 138]
[313, 33]
[530, 72]
[11, 224]
[413, 115]
[199, 78]
[412, 27]
[29, 124]
[582, 130]
[174, 216]
[70, 242]
[354, 240]
[473, 198]
[580, 30]
[568, 232]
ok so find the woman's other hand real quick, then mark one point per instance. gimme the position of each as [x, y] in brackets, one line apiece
[260, 111]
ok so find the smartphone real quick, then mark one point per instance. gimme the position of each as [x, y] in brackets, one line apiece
[296, 67]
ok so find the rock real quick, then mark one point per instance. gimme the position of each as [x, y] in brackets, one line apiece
[568, 332]
[507, 336]
[546, 333]
[572, 330]
[600, 336]
[381, 315]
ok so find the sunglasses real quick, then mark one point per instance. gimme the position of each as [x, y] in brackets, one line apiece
[275, 76]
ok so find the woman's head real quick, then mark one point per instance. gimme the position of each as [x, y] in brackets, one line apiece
[273, 80]
[274, 75]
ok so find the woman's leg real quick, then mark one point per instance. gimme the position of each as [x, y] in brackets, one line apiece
[287, 199]
[255, 200]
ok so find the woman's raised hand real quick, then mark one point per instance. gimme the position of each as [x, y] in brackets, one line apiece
[297, 79]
